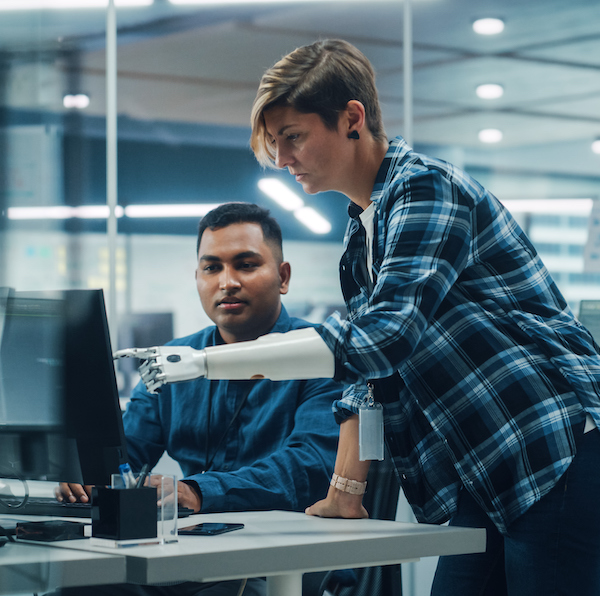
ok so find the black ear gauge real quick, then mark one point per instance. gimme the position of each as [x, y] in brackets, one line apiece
[354, 135]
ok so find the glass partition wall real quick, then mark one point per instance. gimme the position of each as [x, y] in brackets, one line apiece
[41, 167]
[517, 106]
[507, 90]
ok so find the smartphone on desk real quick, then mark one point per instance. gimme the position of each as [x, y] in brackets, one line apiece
[209, 529]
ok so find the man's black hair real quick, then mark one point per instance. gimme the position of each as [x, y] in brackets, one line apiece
[235, 213]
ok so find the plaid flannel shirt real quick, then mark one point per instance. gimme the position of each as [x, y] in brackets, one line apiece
[485, 374]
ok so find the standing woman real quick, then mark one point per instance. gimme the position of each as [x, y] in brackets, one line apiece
[489, 384]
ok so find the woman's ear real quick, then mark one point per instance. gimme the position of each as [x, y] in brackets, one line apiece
[354, 118]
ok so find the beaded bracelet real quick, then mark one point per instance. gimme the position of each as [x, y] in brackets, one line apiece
[354, 487]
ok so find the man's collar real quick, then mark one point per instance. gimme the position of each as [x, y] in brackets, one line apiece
[283, 322]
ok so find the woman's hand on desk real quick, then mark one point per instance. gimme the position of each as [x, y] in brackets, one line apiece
[339, 504]
[73, 493]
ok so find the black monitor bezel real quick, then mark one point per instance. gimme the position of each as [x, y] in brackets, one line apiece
[94, 417]
[92, 440]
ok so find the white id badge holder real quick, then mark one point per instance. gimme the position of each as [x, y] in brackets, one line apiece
[370, 429]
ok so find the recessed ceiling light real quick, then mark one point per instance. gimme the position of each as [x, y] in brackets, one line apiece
[490, 135]
[596, 146]
[488, 26]
[490, 91]
[78, 101]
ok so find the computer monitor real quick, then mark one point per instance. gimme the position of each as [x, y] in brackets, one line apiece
[33, 441]
[60, 417]
[93, 411]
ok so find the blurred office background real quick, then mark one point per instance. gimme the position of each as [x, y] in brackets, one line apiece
[120, 126]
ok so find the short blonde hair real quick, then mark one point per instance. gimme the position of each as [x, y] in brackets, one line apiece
[320, 78]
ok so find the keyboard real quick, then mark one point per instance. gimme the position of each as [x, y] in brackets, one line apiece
[50, 506]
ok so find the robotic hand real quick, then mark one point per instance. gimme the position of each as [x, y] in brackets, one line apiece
[166, 364]
[298, 354]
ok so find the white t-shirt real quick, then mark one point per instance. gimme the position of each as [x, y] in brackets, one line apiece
[366, 217]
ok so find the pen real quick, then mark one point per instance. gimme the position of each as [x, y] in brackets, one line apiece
[127, 476]
[142, 476]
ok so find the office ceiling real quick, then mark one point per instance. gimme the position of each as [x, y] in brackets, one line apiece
[201, 66]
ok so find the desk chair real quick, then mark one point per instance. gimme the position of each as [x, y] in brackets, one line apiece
[381, 501]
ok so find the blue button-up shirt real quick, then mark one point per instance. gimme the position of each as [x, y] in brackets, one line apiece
[488, 375]
[278, 453]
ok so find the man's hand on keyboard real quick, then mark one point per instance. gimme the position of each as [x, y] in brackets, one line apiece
[187, 497]
[73, 493]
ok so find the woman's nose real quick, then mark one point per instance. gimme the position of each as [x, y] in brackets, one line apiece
[283, 158]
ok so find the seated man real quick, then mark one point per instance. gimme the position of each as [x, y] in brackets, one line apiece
[242, 445]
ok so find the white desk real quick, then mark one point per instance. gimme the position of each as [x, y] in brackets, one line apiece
[27, 568]
[284, 545]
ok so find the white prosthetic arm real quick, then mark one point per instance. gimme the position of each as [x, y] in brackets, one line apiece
[298, 354]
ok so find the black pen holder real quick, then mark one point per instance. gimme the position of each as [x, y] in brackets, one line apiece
[124, 514]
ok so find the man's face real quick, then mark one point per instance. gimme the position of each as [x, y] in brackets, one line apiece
[311, 152]
[240, 281]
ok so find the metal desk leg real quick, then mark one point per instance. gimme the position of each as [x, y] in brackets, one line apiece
[285, 585]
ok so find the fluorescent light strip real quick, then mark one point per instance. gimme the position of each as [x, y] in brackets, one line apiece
[221, 2]
[184, 210]
[577, 207]
[314, 221]
[286, 198]
[217, 2]
[280, 193]
[102, 211]
[62, 212]
[66, 4]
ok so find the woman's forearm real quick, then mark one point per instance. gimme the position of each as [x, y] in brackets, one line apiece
[347, 463]
[340, 503]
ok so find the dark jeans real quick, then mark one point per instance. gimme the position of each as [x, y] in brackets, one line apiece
[551, 550]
